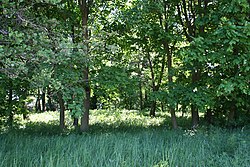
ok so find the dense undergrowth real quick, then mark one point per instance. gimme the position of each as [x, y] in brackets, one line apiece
[121, 138]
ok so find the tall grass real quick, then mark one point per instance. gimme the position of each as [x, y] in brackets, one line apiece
[122, 140]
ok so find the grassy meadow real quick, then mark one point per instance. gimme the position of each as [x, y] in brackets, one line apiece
[121, 139]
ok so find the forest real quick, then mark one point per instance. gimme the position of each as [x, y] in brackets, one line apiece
[138, 80]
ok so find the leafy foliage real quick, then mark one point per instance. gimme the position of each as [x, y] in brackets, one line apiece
[185, 55]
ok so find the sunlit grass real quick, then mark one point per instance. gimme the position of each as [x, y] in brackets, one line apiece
[100, 120]
[108, 118]
[44, 117]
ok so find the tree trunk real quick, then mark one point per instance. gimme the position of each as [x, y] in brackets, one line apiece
[145, 104]
[84, 8]
[195, 116]
[168, 51]
[140, 84]
[194, 109]
[62, 111]
[153, 109]
[153, 103]
[196, 73]
[162, 107]
[43, 100]
[190, 30]
[170, 82]
[75, 122]
[231, 115]
[38, 104]
[50, 105]
[173, 118]
[85, 122]
[141, 98]
[85, 118]
[10, 106]
[208, 116]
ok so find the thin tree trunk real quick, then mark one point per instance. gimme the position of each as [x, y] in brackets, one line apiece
[162, 107]
[140, 87]
[1, 8]
[62, 111]
[38, 104]
[141, 98]
[153, 103]
[168, 51]
[170, 81]
[194, 108]
[43, 100]
[231, 114]
[50, 105]
[75, 122]
[10, 106]
[208, 116]
[153, 109]
[146, 100]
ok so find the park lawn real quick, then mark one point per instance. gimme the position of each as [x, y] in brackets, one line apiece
[121, 138]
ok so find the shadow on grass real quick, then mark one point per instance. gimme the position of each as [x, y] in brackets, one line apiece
[36, 128]
[137, 126]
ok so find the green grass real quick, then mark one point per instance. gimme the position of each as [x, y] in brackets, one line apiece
[121, 139]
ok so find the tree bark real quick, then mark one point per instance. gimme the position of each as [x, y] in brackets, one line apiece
[153, 103]
[140, 86]
[62, 111]
[140, 95]
[208, 116]
[231, 114]
[51, 107]
[162, 107]
[195, 116]
[38, 104]
[173, 118]
[10, 105]
[85, 118]
[145, 104]
[75, 122]
[170, 81]
[153, 109]
[194, 108]
[155, 84]
[84, 8]
[43, 100]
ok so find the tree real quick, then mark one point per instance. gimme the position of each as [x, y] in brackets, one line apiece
[84, 6]
[222, 40]
[150, 32]
[188, 55]
[229, 51]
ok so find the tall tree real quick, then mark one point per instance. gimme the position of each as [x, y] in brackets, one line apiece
[85, 6]
[189, 12]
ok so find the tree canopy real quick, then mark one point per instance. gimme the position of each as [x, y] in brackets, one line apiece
[159, 56]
